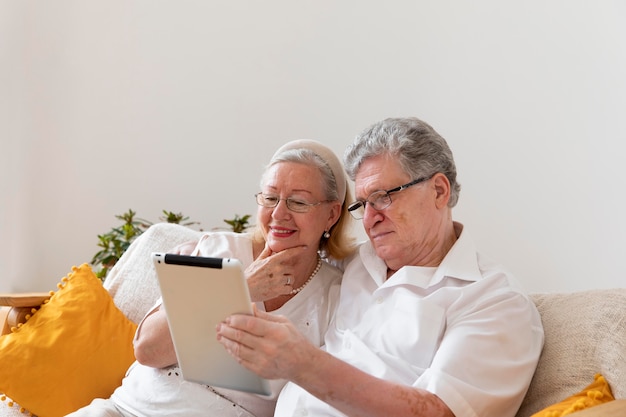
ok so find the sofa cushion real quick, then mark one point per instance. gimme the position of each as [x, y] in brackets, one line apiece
[585, 334]
[596, 393]
[76, 347]
[132, 281]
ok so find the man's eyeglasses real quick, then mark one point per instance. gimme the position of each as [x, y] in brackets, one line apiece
[380, 200]
[293, 204]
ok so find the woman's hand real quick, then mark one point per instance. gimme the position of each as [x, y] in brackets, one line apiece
[272, 273]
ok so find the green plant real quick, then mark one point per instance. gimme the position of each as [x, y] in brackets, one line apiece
[178, 218]
[114, 243]
[239, 224]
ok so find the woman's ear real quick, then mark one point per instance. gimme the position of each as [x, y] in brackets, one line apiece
[335, 213]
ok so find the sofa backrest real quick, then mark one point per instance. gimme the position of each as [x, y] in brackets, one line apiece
[585, 334]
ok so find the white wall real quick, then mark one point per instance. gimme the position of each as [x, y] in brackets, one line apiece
[152, 105]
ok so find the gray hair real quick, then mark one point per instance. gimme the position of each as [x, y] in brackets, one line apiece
[418, 148]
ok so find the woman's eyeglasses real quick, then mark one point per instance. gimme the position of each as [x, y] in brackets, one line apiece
[293, 204]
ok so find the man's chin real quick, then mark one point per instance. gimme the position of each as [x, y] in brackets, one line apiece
[384, 252]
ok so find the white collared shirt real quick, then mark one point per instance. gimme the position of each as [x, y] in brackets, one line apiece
[464, 331]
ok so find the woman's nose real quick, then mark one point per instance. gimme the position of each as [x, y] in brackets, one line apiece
[281, 210]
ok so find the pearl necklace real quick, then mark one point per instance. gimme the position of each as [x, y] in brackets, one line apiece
[315, 271]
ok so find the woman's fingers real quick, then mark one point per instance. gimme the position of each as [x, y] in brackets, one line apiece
[273, 273]
[266, 252]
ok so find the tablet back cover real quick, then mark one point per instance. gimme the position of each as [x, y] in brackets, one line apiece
[198, 293]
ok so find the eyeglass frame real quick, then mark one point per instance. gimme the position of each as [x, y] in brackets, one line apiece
[306, 205]
[353, 207]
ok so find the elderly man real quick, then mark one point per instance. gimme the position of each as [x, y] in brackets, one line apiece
[425, 326]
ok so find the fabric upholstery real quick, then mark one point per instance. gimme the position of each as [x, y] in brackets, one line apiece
[596, 393]
[585, 334]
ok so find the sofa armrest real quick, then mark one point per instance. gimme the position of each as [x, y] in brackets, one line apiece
[4, 327]
[17, 307]
[615, 408]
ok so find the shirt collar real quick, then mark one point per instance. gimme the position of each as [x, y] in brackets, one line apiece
[460, 263]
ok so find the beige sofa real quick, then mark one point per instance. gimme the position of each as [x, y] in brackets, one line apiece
[585, 331]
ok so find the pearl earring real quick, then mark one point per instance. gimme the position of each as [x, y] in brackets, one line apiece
[327, 234]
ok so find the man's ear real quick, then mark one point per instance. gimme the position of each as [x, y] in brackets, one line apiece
[442, 187]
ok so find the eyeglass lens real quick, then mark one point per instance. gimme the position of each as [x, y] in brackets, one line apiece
[295, 205]
[379, 200]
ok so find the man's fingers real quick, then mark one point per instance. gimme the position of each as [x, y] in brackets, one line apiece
[241, 327]
[274, 318]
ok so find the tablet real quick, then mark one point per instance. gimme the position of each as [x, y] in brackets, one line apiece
[198, 293]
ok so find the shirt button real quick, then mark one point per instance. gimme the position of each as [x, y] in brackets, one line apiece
[379, 300]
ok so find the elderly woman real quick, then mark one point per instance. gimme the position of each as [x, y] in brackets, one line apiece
[425, 325]
[301, 218]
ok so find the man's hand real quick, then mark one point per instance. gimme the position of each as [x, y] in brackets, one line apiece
[266, 344]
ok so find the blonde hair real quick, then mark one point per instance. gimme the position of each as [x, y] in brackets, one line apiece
[341, 243]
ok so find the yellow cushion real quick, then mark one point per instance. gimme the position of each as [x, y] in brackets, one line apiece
[598, 392]
[76, 347]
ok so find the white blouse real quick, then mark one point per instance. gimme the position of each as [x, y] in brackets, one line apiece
[153, 392]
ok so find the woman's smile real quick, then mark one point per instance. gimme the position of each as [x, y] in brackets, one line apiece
[281, 231]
